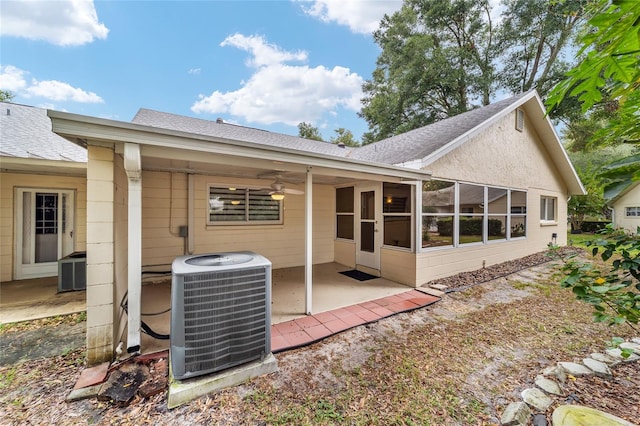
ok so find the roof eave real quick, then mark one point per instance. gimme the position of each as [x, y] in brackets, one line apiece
[81, 129]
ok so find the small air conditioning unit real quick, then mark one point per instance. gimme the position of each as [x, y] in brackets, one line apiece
[220, 312]
[72, 272]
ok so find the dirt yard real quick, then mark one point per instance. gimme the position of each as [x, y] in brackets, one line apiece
[460, 361]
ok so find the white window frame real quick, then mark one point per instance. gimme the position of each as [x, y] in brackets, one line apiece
[350, 214]
[544, 209]
[247, 211]
[484, 215]
[632, 211]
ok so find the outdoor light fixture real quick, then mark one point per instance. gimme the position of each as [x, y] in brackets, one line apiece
[554, 238]
[278, 196]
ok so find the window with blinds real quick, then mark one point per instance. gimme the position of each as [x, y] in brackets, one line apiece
[237, 206]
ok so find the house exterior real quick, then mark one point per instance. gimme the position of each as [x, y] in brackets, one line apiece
[626, 209]
[42, 194]
[473, 190]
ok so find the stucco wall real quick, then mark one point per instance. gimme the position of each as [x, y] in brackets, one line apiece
[630, 199]
[500, 156]
[8, 183]
[165, 208]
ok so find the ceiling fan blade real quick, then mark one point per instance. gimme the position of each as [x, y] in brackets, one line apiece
[293, 191]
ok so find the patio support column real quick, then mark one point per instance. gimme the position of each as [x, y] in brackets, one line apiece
[133, 167]
[418, 213]
[308, 241]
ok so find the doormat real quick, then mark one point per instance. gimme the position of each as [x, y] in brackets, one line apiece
[358, 275]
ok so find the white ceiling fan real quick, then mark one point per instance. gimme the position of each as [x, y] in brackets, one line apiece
[279, 189]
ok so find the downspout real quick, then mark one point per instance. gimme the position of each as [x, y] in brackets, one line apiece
[190, 214]
[133, 168]
[308, 240]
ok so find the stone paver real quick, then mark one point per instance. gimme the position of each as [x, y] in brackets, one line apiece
[600, 368]
[607, 359]
[536, 398]
[516, 414]
[617, 354]
[548, 385]
[575, 369]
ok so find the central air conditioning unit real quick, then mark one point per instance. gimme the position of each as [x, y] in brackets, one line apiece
[220, 312]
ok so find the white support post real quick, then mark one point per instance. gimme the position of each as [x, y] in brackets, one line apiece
[133, 167]
[418, 217]
[308, 241]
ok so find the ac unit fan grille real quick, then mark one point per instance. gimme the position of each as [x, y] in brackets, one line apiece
[224, 318]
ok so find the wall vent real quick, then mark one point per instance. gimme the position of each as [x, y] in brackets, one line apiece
[220, 312]
[519, 120]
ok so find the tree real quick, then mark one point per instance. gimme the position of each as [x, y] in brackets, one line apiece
[440, 58]
[436, 61]
[609, 70]
[6, 96]
[344, 137]
[532, 37]
[307, 131]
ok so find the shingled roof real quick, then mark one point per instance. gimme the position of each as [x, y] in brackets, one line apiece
[234, 132]
[26, 133]
[424, 141]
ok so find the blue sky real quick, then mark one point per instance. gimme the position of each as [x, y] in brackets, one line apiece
[267, 64]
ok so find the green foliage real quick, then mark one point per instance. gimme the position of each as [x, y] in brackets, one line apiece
[609, 73]
[345, 137]
[307, 131]
[6, 96]
[613, 292]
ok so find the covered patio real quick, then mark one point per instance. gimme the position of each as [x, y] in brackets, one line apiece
[336, 296]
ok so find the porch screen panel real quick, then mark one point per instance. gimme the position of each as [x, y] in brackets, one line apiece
[518, 214]
[471, 220]
[497, 210]
[438, 208]
[396, 210]
[345, 213]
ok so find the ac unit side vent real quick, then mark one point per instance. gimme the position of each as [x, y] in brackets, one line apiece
[222, 318]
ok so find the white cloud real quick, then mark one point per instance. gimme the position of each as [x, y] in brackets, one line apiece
[281, 93]
[62, 22]
[262, 52]
[12, 78]
[360, 16]
[59, 91]
[194, 71]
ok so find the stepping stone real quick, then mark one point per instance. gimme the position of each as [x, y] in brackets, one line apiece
[555, 371]
[617, 354]
[83, 393]
[431, 291]
[607, 359]
[536, 398]
[575, 369]
[516, 414]
[578, 415]
[636, 340]
[631, 345]
[600, 368]
[548, 385]
[440, 287]
[92, 376]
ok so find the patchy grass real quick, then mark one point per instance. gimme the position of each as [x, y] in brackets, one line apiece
[70, 319]
[579, 240]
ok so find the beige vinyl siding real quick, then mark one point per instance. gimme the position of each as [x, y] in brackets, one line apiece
[165, 208]
[345, 252]
[398, 265]
[8, 183]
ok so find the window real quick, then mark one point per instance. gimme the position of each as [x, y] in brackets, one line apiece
[344, 213]
[396, 211]
[518, 217]
[632, 211]
[453, 215]
[519, 120]
[438, 208]
[548, 209]
[234, 206]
